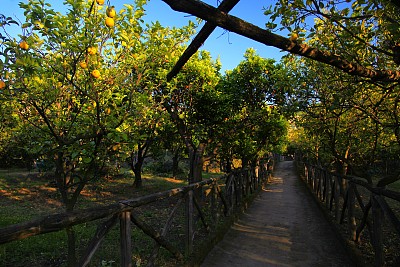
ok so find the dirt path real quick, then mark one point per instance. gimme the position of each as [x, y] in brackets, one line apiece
[283, 227]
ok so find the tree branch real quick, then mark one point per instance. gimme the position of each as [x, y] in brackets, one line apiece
[198, 41]
[239, 26]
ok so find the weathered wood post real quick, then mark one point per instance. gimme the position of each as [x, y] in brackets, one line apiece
[189, 224]
[214, 215]
[126, 241]
[377, 219]
[336, 196]
[350, 213]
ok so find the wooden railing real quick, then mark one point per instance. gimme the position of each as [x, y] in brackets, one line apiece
[365, 206]
[206, 204]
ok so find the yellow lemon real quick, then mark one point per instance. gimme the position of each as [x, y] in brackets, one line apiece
[92, 50]
[111, 12]
[96, 74]
[100, 2]
[83, 65]
[24, 45]
[110, 22]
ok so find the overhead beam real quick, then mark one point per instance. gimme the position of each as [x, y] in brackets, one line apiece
[200, 38]
[239, 26]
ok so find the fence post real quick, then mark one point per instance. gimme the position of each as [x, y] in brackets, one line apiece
[126, 243]
[189, 224]
[214, 215]
[377, 217]
[336, 196]
[350, 215]
[327, 188]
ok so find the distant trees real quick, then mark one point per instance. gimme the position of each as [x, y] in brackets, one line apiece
[255, 125]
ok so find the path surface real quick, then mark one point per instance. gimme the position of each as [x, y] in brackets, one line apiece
[282, 227]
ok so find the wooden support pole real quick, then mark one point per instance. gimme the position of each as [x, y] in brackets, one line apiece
[94, 244]
[327, 188]
[336, 196]
[126, 241]
[214, 216]
[377, 216]
[189, 224]
[350, 213]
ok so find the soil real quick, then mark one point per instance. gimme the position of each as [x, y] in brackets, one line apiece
[283, 227]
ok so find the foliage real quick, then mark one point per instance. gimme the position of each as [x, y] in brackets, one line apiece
[354, 29]
[254, 126]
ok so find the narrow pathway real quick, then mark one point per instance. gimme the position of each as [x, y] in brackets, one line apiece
[282, 227]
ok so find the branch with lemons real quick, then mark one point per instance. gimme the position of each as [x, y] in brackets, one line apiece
[111, 14]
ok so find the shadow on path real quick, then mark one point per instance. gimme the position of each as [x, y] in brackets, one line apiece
[282, 227]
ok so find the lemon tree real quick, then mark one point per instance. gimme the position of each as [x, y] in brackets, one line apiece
[79, 82]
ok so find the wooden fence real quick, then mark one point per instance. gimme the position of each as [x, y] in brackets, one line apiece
[206, 204]
[353, 199]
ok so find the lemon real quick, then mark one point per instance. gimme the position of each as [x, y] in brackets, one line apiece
[111, 12]
[24, 45]
[96, 74]
[83, 65]
[110, 22]
[2, 84]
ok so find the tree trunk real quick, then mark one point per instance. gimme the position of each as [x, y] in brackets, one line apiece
[136, 166]
[137, 160]
[137, 170]
[196, 163]
[62, 185]
[228, 165]
[175, 162]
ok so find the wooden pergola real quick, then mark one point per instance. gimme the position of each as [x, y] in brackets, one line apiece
[219, 17]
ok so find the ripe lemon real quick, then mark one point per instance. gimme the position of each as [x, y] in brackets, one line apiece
[96, 74]
[2, 84]
[294, 36]
[111, 12]
[92, 50]
[100, 2]
[24, 45]
[110, 22]
[83, 65]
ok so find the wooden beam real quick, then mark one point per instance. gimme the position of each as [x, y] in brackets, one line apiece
[101, 232]
[239, 26]
[198, 41]
[126, 239]
[158, 237]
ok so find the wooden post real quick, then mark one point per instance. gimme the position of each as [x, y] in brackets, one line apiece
[189, 224]
[336, 196]
[327, 188]
[350, 213]
[126, 241]
[377, 217]
[214, 215]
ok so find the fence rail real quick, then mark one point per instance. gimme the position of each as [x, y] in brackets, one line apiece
[205, 205]
[366, 206]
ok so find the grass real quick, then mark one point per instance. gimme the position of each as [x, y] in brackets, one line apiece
[25, 196]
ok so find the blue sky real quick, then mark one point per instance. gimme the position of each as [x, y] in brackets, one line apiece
[230, 47]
